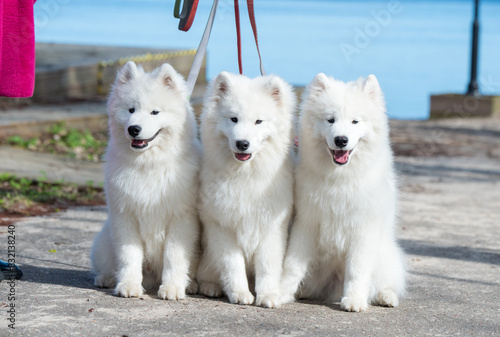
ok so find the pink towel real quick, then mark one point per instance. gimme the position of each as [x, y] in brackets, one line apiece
[17, 48]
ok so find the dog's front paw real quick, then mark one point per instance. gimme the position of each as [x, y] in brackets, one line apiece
[129, 289]
[104, 281]
[387, 298]
[240, 297]
[356, 304]
[171, 292]
[268, 301]
[210, 289]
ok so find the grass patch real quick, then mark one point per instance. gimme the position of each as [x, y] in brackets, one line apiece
[83, 145]
[20, 196]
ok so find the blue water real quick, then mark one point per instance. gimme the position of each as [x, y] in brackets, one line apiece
[415, 48]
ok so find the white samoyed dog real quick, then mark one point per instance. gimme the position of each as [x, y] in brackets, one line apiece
[342, 242]
[151, 236]
[246, 192]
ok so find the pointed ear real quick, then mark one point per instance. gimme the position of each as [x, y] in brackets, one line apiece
[127, 72]
[221, 85]
[319, 84]
[167, 75]
[277, 88]
[372, 88]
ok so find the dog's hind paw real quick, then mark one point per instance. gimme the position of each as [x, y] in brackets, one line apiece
[104, 281]
[192, 288]
[284, 299]
[240, 297]
[268, 301]
[387, 298]
[171, 292]
[210, 289]
[356, 304]
[129, 289]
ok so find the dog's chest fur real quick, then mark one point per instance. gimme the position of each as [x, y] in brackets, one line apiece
[158, 193]
[249, 206]
[346, 206]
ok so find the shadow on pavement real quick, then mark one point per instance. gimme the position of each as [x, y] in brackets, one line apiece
[58, 276]
[455, 279]
[463, 253]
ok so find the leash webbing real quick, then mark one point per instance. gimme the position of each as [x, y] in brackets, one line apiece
[251, 16]
[238, 33]
[202, 48]
[200, 53]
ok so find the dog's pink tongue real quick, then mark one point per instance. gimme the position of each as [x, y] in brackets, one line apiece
[243, 156]
[341, 156]
[138, 142]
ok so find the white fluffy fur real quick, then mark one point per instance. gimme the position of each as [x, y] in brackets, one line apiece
[342, 242]
[152, 233]
[245, 207]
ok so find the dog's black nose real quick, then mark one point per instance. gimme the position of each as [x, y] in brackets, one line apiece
[242, 145]
[134, 130]
[341, 141]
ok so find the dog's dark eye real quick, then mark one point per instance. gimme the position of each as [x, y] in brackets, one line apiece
[155, 112]
[355, 121]
[331, 121]
[131, 110]
[234, 120]
[258, 121]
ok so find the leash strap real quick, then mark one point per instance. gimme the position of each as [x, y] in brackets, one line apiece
[177, 7]
[238, 33]
[251, 16]
[200, 53]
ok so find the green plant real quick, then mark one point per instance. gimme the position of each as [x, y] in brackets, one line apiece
[21, 142]
[18, 195]
[84, 145]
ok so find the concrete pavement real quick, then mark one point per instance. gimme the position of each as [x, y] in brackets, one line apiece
[449, 228]
[50, 167]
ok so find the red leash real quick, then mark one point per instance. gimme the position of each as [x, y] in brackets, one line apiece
[251, 16]
[238, 33]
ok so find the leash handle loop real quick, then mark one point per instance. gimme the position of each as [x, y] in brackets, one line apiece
[251, 16]
[187, 15]
[177, 7]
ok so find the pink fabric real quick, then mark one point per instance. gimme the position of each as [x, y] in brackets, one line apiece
[17, 48]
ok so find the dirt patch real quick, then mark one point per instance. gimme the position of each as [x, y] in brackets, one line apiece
[20, 197]
[87, 145]
[478, 137]
[39, 209]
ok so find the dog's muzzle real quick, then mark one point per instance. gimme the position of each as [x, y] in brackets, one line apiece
[243, 156]
[341, 157]
[143, 143]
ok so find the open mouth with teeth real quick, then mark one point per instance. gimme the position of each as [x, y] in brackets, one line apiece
[340, 157]
[243, 156]
[142, 143]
